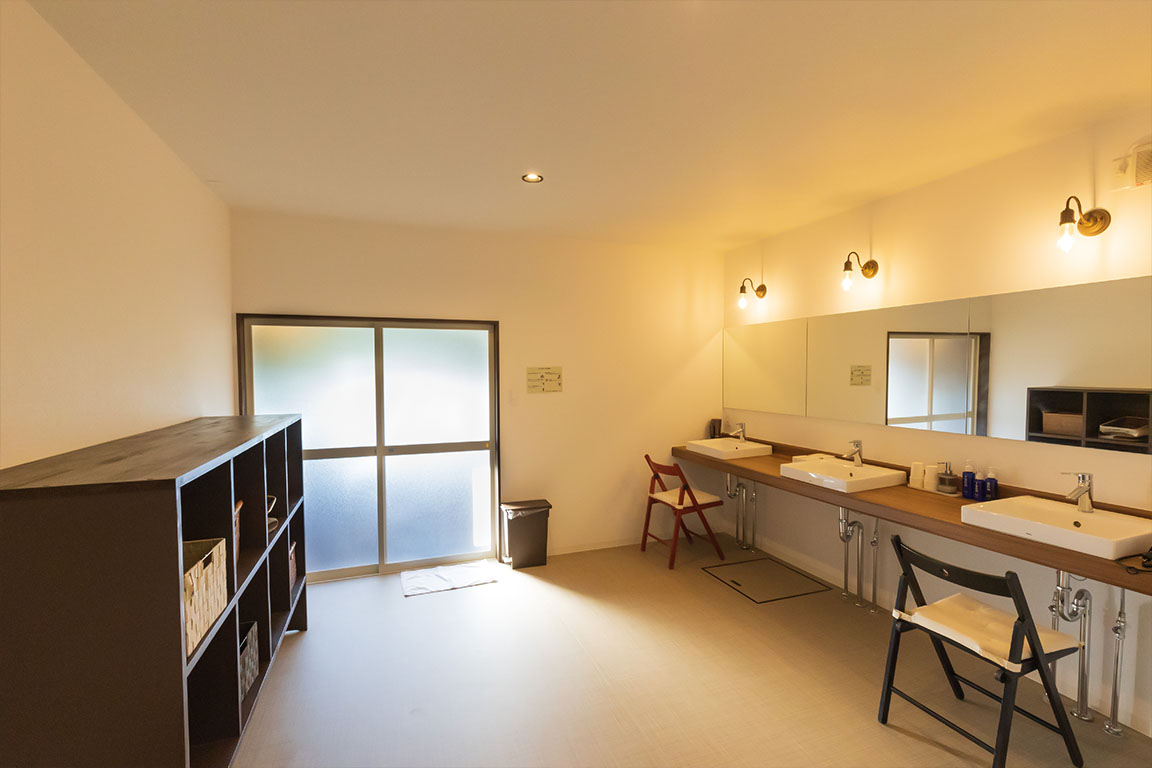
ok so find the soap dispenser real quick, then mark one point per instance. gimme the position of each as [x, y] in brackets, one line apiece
[946, 482]
[968, 483]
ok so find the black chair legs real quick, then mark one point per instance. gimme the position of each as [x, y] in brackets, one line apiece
[1004, 729]
[1061, 715]
[889, 674]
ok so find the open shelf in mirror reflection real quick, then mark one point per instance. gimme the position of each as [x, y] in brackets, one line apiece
[1092, 335]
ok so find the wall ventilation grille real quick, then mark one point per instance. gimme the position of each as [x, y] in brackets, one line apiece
[1134, 169]
[1143, 173]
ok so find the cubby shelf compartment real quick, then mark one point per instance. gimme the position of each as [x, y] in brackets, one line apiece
[209, 638]
[204, 504]
[1095, 406]
[214, 688]
[254, 607]
[250, 560]
[295, 455]
[134, 500]
[276, 470]
[249, 486]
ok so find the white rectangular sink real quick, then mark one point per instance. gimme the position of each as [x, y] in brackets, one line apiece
[728, 448]
[1101, 533]
[841, 474]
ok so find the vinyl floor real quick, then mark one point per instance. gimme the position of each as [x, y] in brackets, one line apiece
[607, 658]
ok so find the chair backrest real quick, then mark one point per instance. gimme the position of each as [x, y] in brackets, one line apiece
[672, 471]
[981, 582]
[1007, 585]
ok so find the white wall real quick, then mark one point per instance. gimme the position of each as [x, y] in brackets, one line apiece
[114, 263]
[991, 229]
[637, 331]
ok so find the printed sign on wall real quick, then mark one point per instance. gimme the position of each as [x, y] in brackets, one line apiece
[860, 376]
[543, 379]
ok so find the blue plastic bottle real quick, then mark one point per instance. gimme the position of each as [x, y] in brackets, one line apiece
[968, 481]
[991, 485]
[980, 487]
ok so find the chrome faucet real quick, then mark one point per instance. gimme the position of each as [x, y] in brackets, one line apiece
[1082, 493]
[739, 431]
[856, 453]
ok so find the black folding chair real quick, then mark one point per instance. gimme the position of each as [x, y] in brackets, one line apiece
[1012, 643]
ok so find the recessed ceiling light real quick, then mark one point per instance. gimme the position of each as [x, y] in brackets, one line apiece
[532, 178]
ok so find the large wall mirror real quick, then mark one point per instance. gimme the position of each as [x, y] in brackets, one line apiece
[764, 367]
[965, 366]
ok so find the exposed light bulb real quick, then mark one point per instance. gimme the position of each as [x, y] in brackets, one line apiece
[1067, 240]
[846, 283]
[742, 302]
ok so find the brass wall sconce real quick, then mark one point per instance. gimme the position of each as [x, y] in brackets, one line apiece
[760, 290]
[1088, 224]
[868, 269]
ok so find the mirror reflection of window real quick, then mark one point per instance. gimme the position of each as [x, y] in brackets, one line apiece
[934, 382]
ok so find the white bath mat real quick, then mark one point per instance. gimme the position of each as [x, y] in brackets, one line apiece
[445, 577]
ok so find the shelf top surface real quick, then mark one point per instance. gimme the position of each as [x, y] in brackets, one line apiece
[172, 454]
[1093, 390]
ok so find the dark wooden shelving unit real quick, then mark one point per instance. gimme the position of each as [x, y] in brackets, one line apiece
[91, 591]
[1095, 406]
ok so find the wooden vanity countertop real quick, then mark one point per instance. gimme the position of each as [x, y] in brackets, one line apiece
[931, 512]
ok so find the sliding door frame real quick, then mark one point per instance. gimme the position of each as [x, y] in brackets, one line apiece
[244, 323]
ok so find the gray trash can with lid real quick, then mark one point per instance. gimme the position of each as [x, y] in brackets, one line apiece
[524, 529]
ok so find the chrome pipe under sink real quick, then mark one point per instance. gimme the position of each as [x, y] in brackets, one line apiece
[848, 530]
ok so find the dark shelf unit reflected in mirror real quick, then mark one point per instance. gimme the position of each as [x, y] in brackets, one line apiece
[1073, 415]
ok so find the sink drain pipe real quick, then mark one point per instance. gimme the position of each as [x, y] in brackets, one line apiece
[1072, 608]
[875, 564]
[848, 530]
[750, 520]
[1112, 724]
[744, 539]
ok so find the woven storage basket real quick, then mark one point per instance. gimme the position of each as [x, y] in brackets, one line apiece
[1063, 423]
[205, 587]
[249, 657]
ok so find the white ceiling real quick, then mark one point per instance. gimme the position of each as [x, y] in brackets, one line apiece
[705, 124]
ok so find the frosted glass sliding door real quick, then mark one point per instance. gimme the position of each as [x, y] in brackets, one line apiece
[399, 430]
[342, 513]
[438, 423]
[436, 386]
[439, 504]
[327, 374]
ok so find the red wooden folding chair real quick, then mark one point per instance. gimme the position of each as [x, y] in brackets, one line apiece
[682, 500]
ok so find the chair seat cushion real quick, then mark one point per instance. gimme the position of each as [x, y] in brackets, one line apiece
[981, 628]
[672, 498]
